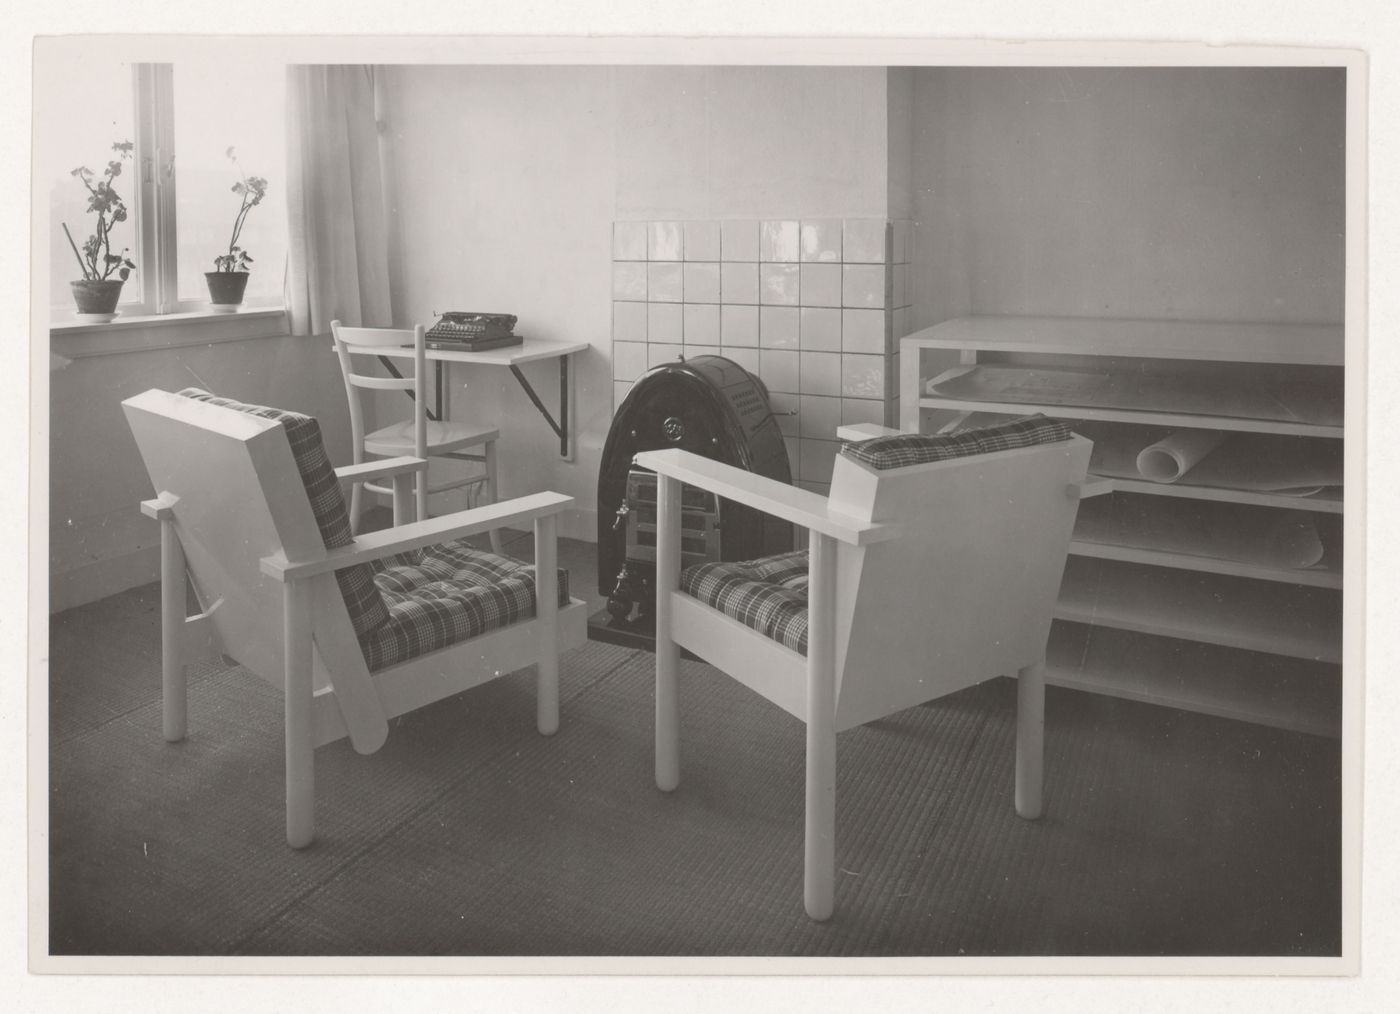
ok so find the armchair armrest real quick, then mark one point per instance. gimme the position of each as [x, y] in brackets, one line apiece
[789, 503]
[381, 468]
[377, 545]
[865, 431]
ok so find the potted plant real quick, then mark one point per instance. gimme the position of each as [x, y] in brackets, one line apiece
[229, 278]
[97, 292]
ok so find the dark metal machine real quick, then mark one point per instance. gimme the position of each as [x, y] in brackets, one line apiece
[712, 407]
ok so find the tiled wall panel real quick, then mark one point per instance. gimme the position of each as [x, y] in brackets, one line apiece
[814, 307]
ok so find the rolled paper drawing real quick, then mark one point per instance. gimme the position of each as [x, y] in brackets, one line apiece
[1172, 457]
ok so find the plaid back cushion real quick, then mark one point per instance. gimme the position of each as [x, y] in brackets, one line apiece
[362, 599]
[904, 449]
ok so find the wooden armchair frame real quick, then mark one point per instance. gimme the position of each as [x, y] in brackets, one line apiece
[904, 564]
[236, 523]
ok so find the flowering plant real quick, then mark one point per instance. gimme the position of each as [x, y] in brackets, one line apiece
[97, 261]
[251, 190]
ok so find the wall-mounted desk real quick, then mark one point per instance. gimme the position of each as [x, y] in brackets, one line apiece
[512, 356]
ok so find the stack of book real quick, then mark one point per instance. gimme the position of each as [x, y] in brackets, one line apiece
[473, 332]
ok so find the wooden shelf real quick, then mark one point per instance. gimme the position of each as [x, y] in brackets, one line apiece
[1298, 405]
[1286, 693]
[1212, 538]
[1301, 622]
[1218, 592]
[1301, 344]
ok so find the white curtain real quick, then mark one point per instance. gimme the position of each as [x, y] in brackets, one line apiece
[338, 243]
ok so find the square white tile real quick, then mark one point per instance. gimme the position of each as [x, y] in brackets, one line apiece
[821, 373]
[864, 241]
[630, 280]
[794, 454]
[777, 327]
[702, 282]
[702, 241]
[820, 416]
[629, 360]
[665, 241]
[863, 331]
[778, 241]
[658, 353]
[821, 240]
[820, 284]
[818, 460]
[629, 241]
[664, 283]
[855, 411]
[629, 322]
[701, 323]
[863, 285]
[691, 351]
[738, 282]
[664, 322]
[747, 358]
[862, 376]
[785, 408]
[738, 325]
[778, 284]
[620, 389]
[820, 330]
[778, 369]
[739, 240]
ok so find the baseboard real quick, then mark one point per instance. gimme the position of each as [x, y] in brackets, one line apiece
[101, 578]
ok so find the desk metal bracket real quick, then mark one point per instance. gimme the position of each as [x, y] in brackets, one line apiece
[437, 380]
[560, 428]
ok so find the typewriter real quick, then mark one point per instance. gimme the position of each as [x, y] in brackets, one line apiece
[472, 332]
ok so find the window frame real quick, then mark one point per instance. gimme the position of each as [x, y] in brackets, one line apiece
[154, 200]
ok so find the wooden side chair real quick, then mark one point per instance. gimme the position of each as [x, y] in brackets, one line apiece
[934, 564]
[355, 631]
[417, 436]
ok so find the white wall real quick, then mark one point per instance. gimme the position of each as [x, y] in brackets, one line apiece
[99, 543]
[504, 183]
[1202, 193]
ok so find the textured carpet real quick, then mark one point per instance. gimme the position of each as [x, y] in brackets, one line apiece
[469, 834]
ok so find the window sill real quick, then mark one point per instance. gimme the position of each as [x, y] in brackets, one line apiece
[75, 340]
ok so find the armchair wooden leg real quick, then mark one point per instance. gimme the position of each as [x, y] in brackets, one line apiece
[668, 656]
[403, 497]
[174, 708]
[547, 613]
[819, 888]
[491, 493]
[296, 634]
[1030, 740]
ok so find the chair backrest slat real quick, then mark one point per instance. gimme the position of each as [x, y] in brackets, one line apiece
[967, 592]
[368, 341]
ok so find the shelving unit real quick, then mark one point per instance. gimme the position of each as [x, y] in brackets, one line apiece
[1220, 592]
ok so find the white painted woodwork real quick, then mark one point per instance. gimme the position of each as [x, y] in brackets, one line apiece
[959, 588]
[1239, 342]
[230, 493]
[377, 545]
[172, 631]
[1285, 619]
[530, 350]
[667, 579]
[1030, 740]
[809, 510]
[1248, 370]
[418, 435]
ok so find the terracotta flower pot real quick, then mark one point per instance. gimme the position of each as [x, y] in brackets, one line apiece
[97, 298]
[226, 288]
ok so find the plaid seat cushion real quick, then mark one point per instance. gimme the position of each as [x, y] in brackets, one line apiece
[768, 595]
[904, 449]
[448, 593]
[362, 598]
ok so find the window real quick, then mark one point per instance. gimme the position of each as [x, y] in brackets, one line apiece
[183, 120]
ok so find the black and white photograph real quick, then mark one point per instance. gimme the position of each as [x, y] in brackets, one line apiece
[696, 506]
